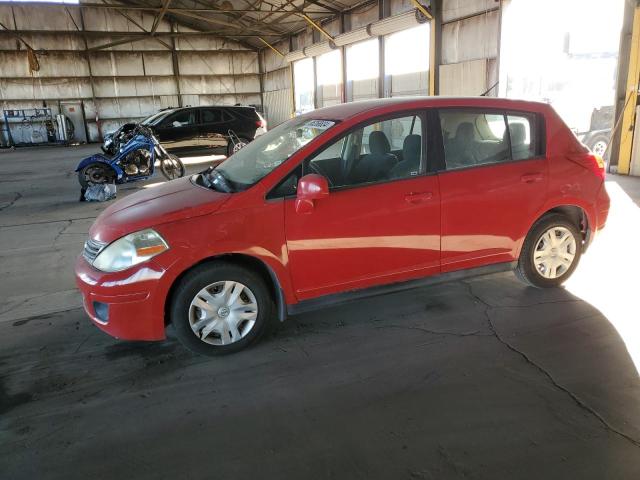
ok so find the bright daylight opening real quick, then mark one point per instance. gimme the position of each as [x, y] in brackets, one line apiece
[329, 68]
[303, 85]
[572, 65]
[362, 60]
[607, 275]
[407, 51]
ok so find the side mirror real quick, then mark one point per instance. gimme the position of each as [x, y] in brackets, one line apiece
[311, 187]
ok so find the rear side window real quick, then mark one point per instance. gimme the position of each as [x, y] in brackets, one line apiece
[211, 115]
[474, 137]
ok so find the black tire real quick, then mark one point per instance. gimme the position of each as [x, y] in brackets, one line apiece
[172, 167]
[96, 174]
[203, 276]
[526, 270]
[230, 145]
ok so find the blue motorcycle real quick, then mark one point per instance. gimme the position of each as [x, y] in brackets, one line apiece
[134, 161]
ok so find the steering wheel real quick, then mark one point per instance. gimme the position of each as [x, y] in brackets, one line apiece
[316, 169]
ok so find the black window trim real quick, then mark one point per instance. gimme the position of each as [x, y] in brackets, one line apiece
[423, 113]
[505, 112]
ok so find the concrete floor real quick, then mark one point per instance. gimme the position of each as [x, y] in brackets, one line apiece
[478, 379]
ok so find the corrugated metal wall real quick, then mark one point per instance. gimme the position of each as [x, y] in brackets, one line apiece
[470, 38]
[277, 86]
[131, 80]
[468, 60]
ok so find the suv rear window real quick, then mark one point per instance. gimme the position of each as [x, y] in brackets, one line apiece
[474, 137]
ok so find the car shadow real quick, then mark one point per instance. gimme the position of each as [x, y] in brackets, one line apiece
[481, 379]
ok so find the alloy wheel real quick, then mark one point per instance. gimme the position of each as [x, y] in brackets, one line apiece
[223, 312]
[600, 148]
[555, 252]
[238, 146]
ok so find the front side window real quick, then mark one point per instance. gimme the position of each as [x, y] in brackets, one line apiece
[184, 118]
[473, 137]
[380, 151]
[249, 165]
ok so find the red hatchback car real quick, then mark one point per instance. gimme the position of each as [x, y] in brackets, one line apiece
[341, 203]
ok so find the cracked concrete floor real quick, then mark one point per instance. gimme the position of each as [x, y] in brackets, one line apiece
[478, 379]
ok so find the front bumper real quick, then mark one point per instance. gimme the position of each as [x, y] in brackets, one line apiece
[128, 305]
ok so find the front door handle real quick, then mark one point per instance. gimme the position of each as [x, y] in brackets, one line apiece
[531, 177]
[418, 197]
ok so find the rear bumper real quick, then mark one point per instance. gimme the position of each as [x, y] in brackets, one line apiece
[602, 207]
[128, 305]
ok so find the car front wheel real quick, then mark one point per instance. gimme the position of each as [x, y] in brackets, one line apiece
[550, 253]
[220, 308]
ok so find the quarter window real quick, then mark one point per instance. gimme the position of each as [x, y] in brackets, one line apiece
[524, 137]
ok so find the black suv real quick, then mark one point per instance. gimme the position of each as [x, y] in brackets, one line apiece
[192, 130]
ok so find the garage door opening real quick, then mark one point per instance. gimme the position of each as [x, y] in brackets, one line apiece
[570, 65]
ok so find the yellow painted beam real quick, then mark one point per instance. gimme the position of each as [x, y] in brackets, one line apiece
[271, 46]
[631, 99]
[316, 26]
[422, 9]
[432, 58]
[293, 91]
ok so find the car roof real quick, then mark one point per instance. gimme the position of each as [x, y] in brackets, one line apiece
[344, 111]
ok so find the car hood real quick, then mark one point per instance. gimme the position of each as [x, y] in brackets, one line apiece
[176, 200]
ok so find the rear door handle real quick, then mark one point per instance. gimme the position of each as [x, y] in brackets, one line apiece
[418, 197]
[531, 177]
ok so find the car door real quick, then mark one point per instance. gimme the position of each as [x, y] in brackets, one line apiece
[178, 133]
[493, 182]
[369, 230]
[213, 131]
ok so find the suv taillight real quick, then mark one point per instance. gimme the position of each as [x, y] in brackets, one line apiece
[261, 123]
[591, 162]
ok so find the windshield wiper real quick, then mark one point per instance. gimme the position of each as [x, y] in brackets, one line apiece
[216, 180]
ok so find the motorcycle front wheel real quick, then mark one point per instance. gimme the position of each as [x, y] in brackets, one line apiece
[96, 174]
[172, 167]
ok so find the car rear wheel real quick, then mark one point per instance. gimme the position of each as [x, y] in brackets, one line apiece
[96, 174]
[220, 308]
[599, 144]
[234, 147]
[550, 253]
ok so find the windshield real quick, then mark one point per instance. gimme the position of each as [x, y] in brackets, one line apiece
[154, 118]
[248, 166]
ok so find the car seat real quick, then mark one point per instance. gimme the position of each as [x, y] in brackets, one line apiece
[411, 153]
[377, 164]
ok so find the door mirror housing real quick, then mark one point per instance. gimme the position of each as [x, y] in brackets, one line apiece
[311, 187]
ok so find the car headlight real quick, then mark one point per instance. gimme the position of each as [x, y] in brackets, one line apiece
[130, 250]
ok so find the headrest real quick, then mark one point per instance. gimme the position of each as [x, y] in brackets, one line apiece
[464, 131]
[411, 147]
[518, 134]
[378, 143]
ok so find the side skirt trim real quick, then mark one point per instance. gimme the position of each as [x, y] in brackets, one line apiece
[346, 297]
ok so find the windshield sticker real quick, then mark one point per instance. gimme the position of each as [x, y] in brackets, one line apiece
[319, 124]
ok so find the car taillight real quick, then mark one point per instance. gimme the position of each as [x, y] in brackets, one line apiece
[261, 123]
[591, 162]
